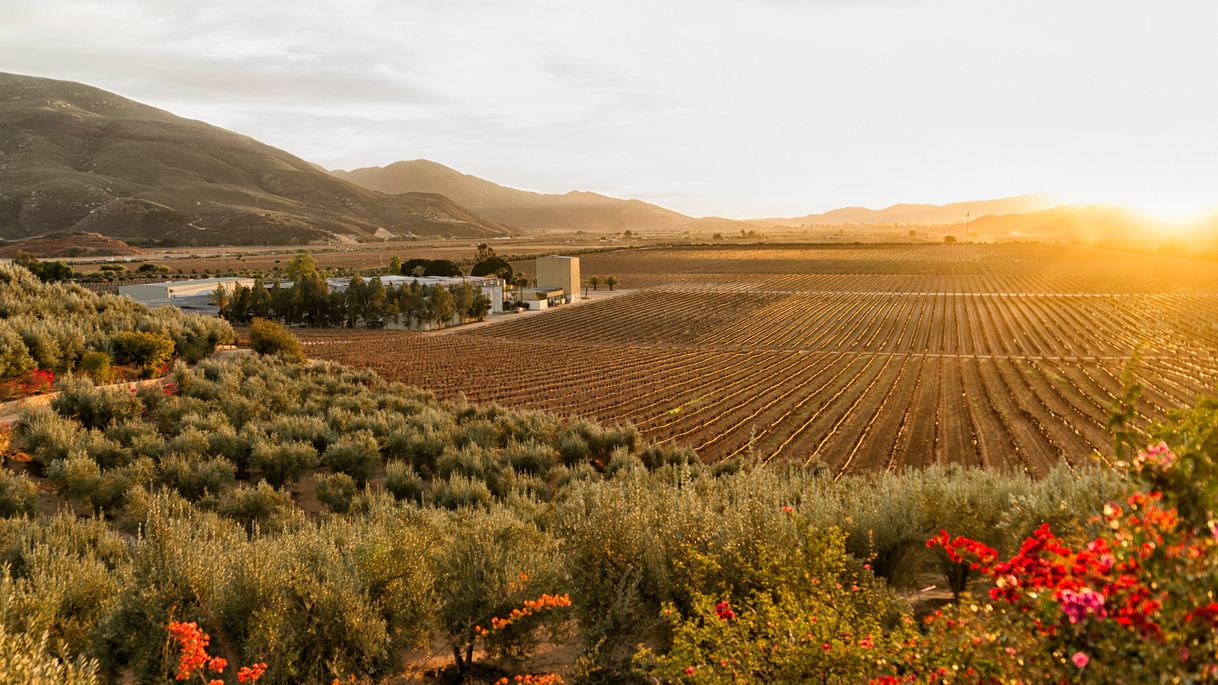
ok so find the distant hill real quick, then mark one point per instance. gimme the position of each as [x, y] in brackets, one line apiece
[1068, 222]
[922, 214]
[529, 211]
[77, 158]
[70, 245]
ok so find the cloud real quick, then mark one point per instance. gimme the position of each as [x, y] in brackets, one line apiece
[727, 107]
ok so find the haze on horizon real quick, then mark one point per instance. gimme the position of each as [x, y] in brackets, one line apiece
[710, 107]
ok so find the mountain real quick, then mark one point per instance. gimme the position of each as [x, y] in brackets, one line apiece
[1069, 222]
[53, 245]
[576, 210]
[78, 158]
[921, 213]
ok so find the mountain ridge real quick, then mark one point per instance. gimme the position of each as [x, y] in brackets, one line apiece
[529, 210]
[74, 157]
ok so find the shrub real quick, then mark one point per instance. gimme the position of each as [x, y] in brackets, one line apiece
[477, 463]
[404, 483]
[531, 457]
[491, 563]
[97, 366]
[355, 455]
[657, 456]
[18, 494]
[95, 407]
[271, 338]
[260, 505]
[78, 475]
[29, 383]
[458, 492]
[15, 359]
[336, 491]
[147, 352]
[38, 664]
[282, 463]
[420, 449]
[195, 477]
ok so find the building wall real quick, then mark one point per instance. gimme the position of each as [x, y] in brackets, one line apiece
[146, 292]
[559, 272]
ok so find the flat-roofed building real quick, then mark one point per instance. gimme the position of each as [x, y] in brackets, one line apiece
[559, 272]
[193, 295]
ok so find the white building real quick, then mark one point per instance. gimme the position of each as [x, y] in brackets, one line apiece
[193, 295]
[490, 286]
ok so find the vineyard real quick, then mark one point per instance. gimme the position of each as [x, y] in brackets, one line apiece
[858, 358]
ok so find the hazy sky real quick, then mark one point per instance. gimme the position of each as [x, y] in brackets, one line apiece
[735, 108]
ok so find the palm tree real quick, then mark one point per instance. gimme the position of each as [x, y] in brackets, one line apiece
[220, 298]
[611, 281]
[594, 282]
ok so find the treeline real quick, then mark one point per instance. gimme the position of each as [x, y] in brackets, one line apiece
[58, 327]
[438, 518]
[366, 303]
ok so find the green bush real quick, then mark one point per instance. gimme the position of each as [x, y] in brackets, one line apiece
[147, 352]
[355, 455]
[18, 494]
[490, 563]
[531, 457]
[283, 463]
[95, 407]
[78, 475]
[31, 659]
[260, 505]
[459, 492]
[194, 476]
[97, 366]
[404, 483]
[270, 338]
[336, 491]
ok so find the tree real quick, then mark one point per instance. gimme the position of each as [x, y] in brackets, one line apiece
[375, 308]
[240, 305]
[220, 298]
[311, 297]
[595, 282]
[442, 307]
[395, 265]
[463, 300]
[611, 281]
[949, 240]
[301, 267]
[46, 272]
[494, 266]
[480, 307]
[356, 300]
[260, 300]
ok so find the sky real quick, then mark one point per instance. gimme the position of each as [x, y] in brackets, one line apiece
[737, 108]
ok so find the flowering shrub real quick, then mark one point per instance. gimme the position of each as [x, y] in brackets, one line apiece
[1133, 602]
[193, 659]
[820, 619]
[29, 383]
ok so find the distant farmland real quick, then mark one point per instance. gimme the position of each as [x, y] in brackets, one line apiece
[855, 357]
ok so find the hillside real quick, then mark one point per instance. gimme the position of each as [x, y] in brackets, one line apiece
[920, 213]
[78, 158]
[576, 210]
[83, 244]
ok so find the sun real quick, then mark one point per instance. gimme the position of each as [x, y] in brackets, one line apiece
[1175, 212]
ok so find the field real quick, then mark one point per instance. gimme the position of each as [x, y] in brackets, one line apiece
[862, 357]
